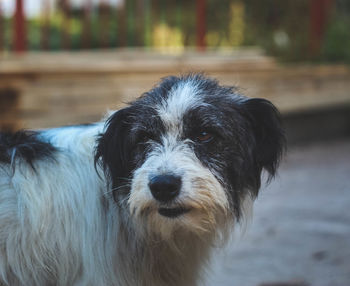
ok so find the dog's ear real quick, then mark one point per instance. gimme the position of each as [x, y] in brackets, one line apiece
[269, 136]
[113, 151]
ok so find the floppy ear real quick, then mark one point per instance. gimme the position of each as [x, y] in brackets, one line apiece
[113, 151]
[269, 135]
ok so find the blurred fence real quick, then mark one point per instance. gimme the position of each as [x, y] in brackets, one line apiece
[164, 24]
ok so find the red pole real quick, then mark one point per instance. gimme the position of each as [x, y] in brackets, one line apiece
[319, 14]
[20, 28]
[201, 25]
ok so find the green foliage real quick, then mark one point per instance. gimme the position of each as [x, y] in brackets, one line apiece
[7, 24]
[34, 32]
[280, 27]
[336, 47]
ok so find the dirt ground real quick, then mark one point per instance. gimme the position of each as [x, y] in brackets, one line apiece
[300, 231]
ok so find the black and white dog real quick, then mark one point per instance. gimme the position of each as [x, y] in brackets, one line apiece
[140, 199]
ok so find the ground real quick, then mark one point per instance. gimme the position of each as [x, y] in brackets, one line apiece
[300, 230]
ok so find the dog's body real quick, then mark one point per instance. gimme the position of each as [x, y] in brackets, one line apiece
[140, 199]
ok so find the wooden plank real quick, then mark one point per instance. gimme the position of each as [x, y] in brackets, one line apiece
[131, 62]
[57, 89]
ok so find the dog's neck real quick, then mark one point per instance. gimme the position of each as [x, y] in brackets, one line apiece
[158, 262]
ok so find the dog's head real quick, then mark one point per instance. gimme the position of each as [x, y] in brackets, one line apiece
[188, 153]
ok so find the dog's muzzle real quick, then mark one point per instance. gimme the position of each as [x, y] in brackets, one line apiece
[165, 188]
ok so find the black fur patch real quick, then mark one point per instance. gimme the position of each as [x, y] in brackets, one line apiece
[123, 148]
[247, 138]
[24, 145]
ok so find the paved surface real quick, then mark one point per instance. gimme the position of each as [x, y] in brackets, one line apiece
[300, 234]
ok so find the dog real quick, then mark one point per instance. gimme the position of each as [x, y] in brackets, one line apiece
[141, 198]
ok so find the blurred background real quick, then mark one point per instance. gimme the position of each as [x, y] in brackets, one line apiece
[67, 62]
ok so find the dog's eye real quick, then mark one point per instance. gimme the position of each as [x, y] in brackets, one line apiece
[143, 137]
[204, 137]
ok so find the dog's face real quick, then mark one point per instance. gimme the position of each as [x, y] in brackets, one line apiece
[187, 154]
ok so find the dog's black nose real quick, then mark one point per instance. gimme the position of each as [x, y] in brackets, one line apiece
[164, 188]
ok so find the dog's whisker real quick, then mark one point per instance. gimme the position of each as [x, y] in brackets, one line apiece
[126, 199]
[120, 187]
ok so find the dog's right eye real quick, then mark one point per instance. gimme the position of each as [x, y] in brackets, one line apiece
[204, 137]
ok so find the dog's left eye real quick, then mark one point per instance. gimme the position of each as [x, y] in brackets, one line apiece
[143, 137]
[204, 137]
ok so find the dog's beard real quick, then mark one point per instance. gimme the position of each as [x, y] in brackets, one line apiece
[204, 221]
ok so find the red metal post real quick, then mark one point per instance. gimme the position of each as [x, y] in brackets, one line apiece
[201, 28]
[319, 14]
[20, 44]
